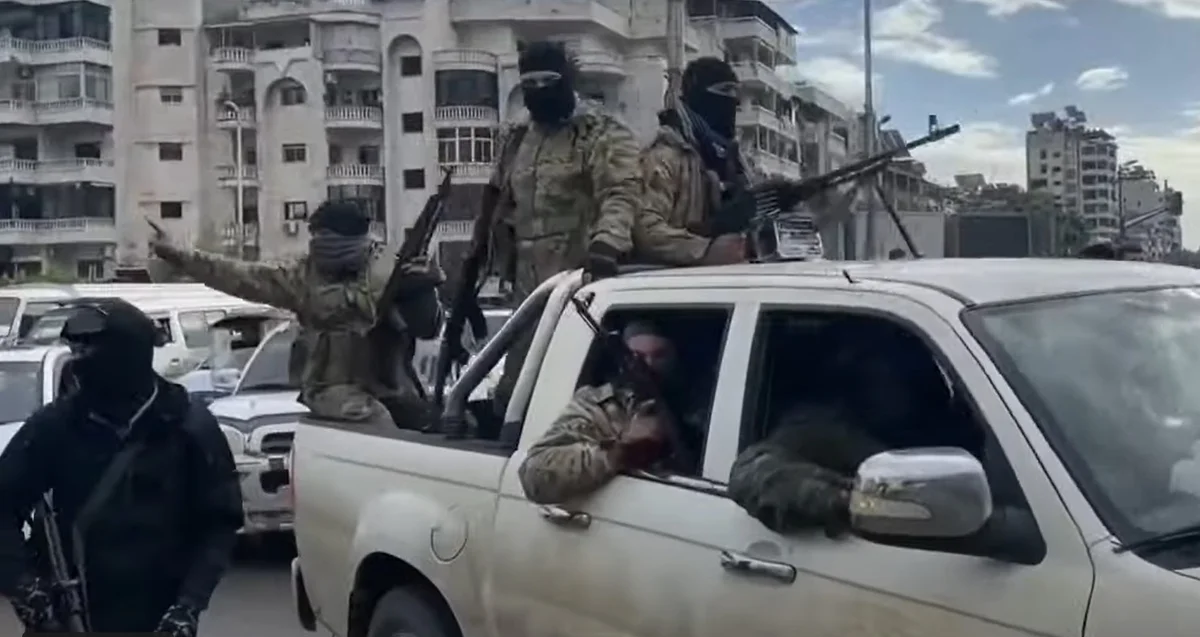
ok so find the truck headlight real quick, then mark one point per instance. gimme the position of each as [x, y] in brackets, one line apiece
[236, 439]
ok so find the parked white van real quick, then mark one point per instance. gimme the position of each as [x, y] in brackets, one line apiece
[183, 324]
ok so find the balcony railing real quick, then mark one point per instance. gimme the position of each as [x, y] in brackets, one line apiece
[453, 231]
[232, 56]
[229, 173]
[466, 114]
[63, 45]
[56, 170]
[230, 117]
[365, 172]
[68, 105]
[357, 57]
[464, 59]
[354, 114]
[52, 231]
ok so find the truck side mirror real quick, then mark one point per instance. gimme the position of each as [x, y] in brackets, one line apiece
[928, 492]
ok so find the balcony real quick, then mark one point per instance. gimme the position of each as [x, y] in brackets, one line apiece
[352, 59]
[603, 63]
[453, 231]
[355, 175]
[465, 60]
[448, 116]
[230, 119]
[227, 176]
[75, 170]
[63, 51]
[232, 59]
[55, 231]
[354, 117]
[79, 110]
[760, 116]
[271, 9]
[612, 15]
[779, 40]
[472, 173]
[17, 112]
[762, 76]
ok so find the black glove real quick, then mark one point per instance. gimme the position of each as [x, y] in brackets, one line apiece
[180, 620]
[602, 260]
[33, 605]
[738, 207]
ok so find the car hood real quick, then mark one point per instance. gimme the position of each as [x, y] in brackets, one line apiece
[7, 431]
[256, 405]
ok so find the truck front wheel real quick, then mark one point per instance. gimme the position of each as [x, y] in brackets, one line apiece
[402, 612]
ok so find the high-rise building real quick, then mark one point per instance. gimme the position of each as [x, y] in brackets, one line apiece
[57, 155]
[281, 104]
[1149, 212]
[1077, 165]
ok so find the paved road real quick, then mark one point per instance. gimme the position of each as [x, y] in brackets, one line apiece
[254, 598]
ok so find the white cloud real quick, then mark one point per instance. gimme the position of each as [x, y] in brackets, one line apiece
[1026, 98]
[843, 78]
[1104, 78]
[1005, 8]
[905, 32]
[1184, 9]
[997, 151]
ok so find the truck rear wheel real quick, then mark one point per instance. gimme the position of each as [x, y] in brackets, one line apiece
[403, 612]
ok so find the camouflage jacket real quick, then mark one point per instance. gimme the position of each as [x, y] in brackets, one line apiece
[800, 476]
[569, 187]
[678, 195]
[572, 459]
[333, 317]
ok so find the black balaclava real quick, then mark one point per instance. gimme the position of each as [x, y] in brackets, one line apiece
[709, 90]
[339, 242]
[547, 82]
[112, 362]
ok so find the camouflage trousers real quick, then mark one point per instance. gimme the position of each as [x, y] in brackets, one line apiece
[352, 404]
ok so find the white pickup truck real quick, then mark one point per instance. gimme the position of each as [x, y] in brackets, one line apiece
[1078, 516]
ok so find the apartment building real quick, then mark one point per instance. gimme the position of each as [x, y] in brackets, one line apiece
[56, 138]
[1077, 165]
[1149, 212]
[240, 117]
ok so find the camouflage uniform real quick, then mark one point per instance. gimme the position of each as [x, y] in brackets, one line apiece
[572, 458]
[678, 194]
[338, 379]
[800, 476]
[570, 187]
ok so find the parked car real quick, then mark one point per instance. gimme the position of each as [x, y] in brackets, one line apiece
[1074, 510]
[234, 338]
[29, 379]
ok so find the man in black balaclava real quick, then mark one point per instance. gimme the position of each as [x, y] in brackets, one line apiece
[693, 175]
[139, 471]
[345, 353]
[564, 189]
[547, 83]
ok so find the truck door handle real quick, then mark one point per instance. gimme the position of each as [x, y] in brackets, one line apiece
[744, 564]
[561, 517]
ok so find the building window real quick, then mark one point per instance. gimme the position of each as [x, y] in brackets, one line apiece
[170, 37]
[414, 179]
[27, 269]
[171, 95]
[170, 151]
[89, 269]
[412, 122]
[87, 150]
[295, 210]
[170, 209]
[368, 155]
[295, 153]
[466, 88]
[292, 95]
[410, 66]
[69, 86]
[97, 83]
[465, 145]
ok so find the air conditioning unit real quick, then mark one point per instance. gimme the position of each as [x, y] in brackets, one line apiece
[292, 228]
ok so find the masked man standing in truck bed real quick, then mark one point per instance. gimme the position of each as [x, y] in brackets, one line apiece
[334, 291]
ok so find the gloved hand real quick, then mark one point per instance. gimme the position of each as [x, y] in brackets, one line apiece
[734, 213]
[602, 261]
[33, 605]
[180, 620]
[420, 274]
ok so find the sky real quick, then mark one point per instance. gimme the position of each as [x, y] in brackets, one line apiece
[1131, 65]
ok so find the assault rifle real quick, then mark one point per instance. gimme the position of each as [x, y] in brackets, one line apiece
[774, 197]
[68, 587]
[416, 243]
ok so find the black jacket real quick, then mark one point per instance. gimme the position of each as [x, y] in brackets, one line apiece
[167, 530]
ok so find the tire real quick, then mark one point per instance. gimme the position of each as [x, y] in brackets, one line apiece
[401, 612]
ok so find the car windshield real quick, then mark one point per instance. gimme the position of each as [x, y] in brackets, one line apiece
[20, 390]
[48, 327]
[1111, 379]
[8, 314]
[268, 370]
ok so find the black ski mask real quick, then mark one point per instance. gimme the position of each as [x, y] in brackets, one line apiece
[547, 82]
[339, 243]
[710, 90]
[112, 350]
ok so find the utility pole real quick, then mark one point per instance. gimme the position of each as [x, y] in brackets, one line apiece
[869, 131]
[676, 18]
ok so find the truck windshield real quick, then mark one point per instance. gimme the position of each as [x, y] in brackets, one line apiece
[1113, 380]
[20, 390]
[268, 369]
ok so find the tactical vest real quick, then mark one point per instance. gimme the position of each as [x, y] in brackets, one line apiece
[337, 316]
